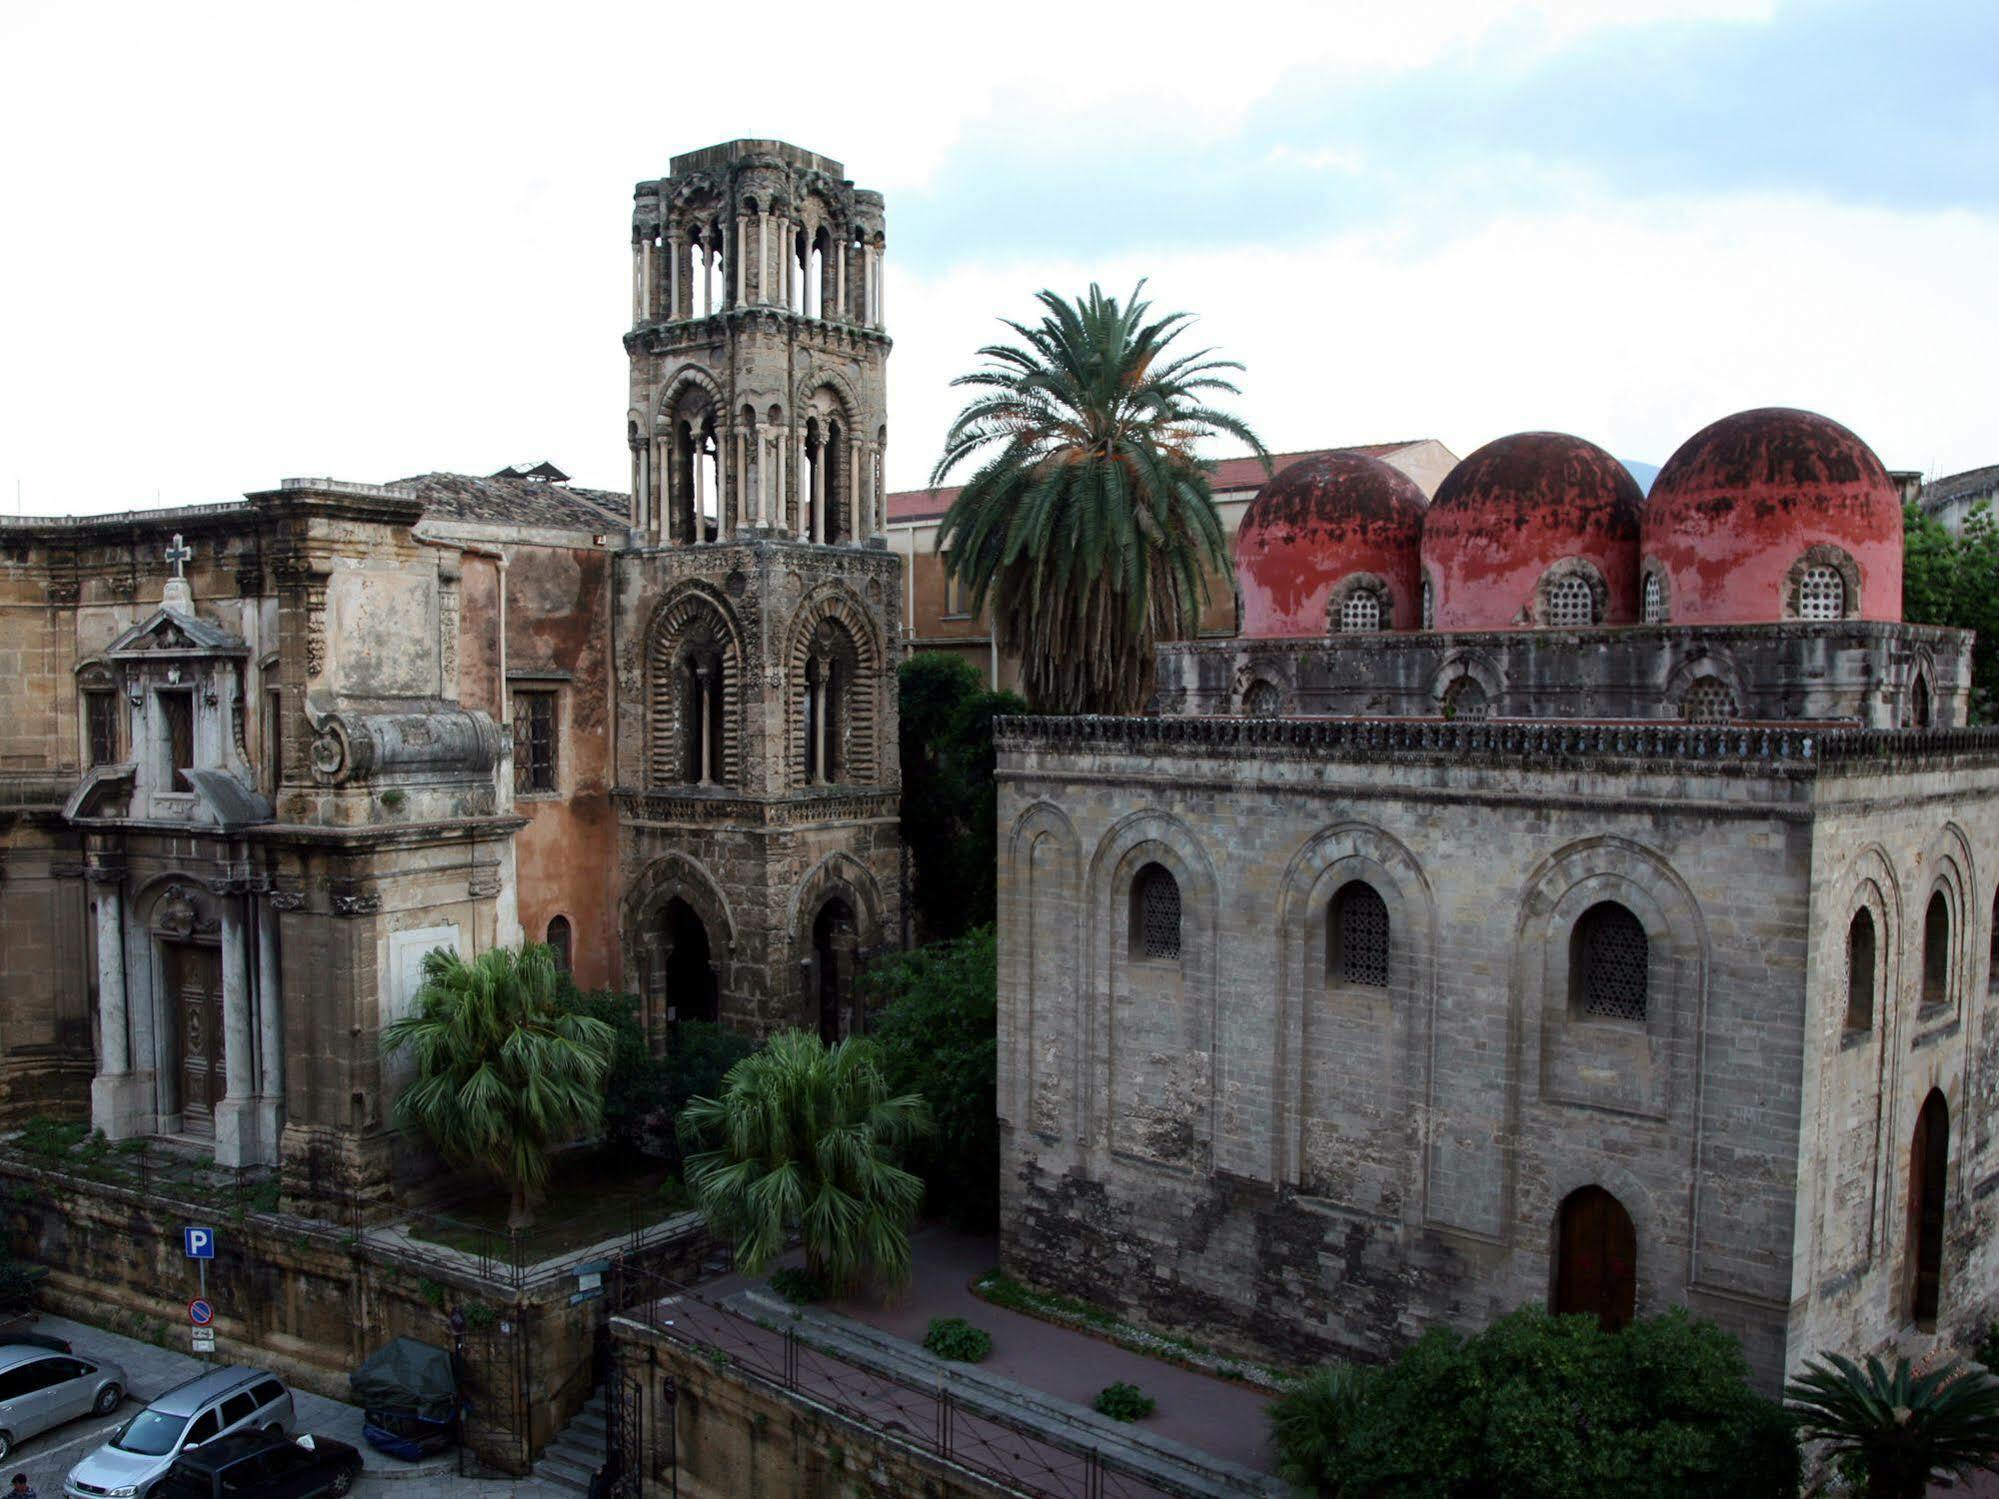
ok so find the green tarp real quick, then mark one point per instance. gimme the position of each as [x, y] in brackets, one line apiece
[407, 1376]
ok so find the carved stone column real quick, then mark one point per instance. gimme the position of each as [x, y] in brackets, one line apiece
[235, 1115]
[270, 1032]
[120, 1099]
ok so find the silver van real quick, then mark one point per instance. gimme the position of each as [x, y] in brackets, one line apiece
[40, 1388]
[127, 1466]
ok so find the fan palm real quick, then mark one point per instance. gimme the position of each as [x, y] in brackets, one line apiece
[1898, 1428]
[506, 1070]
[804, 1139]
[1090, 525]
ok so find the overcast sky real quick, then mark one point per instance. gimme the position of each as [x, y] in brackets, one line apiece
[369, 241]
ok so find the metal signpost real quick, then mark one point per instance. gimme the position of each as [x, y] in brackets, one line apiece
[199, 1246]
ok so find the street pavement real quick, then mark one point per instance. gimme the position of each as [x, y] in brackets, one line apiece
[151, 1370]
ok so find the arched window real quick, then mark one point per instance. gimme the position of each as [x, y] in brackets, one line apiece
[1936, 951]
[822, 720]
[1263, 700]
[1608, 959]
[1708, 700]
[1860, 972]
[1429, 603]
[1655, 600]
[1465, 699]
[1821, 593]
[1929, 1183]
[1992, 954]
[1155, 914]
[1361, 611]
[559, 941]
[1919, 702]
[702, 722]
[1571, 602]
[1357, 936]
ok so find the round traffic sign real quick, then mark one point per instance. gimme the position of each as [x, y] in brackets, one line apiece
[200, 1313]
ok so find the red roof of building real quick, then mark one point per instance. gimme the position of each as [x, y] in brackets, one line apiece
[906, 505]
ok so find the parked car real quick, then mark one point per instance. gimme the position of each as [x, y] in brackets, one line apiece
[251, 1465]
[189, 1415]
[40, 1388]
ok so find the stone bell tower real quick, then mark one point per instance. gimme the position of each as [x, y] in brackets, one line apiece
[759, 858]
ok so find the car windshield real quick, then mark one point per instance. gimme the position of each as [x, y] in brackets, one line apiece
[150, 1434]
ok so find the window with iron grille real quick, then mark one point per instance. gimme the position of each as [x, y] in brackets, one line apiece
[1708, 700]
[100, 716]
[534, 741]
[1860, 972]
[1571, 601]
[177, 713]
[1361, 611]
[1357, 928]
[1936, 951]
[1821, 593]
[1655, 600]
[1262, 700]
[1608, 957]
[1155, 914]
[1465, 699]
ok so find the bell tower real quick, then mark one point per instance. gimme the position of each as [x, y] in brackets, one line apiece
[759, 858]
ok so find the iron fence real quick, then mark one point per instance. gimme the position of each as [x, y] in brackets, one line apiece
[960, 1428]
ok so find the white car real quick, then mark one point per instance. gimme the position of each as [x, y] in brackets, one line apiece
[137, 1458]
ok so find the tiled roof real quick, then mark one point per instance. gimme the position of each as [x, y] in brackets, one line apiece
[1973, 481]
[518, 502]
[1230, 474]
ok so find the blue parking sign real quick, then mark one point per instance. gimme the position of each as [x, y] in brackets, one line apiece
[199, 1243]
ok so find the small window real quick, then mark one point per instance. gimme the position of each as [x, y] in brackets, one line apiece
[100, 718]
[1155, 914]
[1465, 699]
[1571, 602]
[274, 738]
[236, 1407]
[206, 1425]
[1655, 600]
[43, 1374]
[1361, 611]
[954, 589]
[1429, 604]
[558, 941]
[1263, 700]
[1708, 700]
[177, 715]
[1608, 959]
[1919, 702]
[1936, 951]
[1821, 593]
[268, 1391]
[1357, 936]
[534, 741]
[1860, 972]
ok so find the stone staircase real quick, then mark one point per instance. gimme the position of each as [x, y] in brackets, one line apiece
[578, 1449]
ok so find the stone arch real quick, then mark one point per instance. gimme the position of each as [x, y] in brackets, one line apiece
[1272, 673]
[834, 623]
[1539, 607]
[1702, 664]
[1371, 585]
[1953, 877]
[1348, 1064]
[1040, 1031]
[695, 626]
[675, 387]
[843, 880]
[1459, 665]
[667, 878]
[1618, 1290]
[1823, 554]
[1923, 704]
[1152, 1007]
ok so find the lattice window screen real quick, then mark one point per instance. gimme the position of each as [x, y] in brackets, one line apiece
[1429, 605]
[1158, 913]
[1360, 935]
[1614, 954]
[1655, 600]
[1821, 593]
[1571, 602]
[1465, 699]
[1361, 611]
[1709, 701]
[1262, 700]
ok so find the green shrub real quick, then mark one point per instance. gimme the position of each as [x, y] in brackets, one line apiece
[643, 1094]
[479, 1316]
[799, 1287]
[1894, 1430]
[1541, 1407]
[956, 1339]
[1124, 1402]
[52, 1139]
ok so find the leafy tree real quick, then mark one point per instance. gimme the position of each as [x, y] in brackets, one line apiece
[938, 1030]
[803, 1139]
[1541, 1407]
[643, 1093]
[507, 1067]
[1954, 580]
[1089, 524]
[1897, 1430]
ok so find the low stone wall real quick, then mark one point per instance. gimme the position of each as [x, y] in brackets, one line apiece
[310, 1300]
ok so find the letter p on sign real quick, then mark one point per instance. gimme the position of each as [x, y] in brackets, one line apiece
[199, 1243]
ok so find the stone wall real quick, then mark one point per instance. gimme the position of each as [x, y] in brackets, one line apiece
[1242, 1144]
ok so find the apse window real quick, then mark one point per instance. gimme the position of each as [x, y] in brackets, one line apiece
[1608, 961]
[1155, 914]
[1655, 600]
[1821, 593]
[1709, 701]
[1357, 933]
[534, 741]
[1360, 612]
[1571, 602]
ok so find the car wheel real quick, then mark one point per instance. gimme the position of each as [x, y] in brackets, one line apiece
[344, 1480]
[6, 1446]
[107, 1399]
[274, 1430]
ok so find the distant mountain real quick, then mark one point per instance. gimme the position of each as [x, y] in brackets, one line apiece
[1644, 473]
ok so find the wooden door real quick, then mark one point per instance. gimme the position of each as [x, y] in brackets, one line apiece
[194, 991]
[1596, 1259]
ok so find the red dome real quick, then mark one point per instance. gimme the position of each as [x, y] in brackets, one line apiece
[1317, 524]
[1735, 511]
[1517, 507]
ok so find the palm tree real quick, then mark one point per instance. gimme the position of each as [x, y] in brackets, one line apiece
[506, 1069]
[803, 1139]
[1091, 521]
[1900, 1430]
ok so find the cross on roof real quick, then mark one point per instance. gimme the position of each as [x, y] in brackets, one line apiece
[180, 552]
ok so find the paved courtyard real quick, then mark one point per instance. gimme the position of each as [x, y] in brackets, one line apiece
[48, 1458]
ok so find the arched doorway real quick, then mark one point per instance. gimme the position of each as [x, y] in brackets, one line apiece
[1929, 1177]
[835, 951]
[692, 992]
[1596, 1258]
